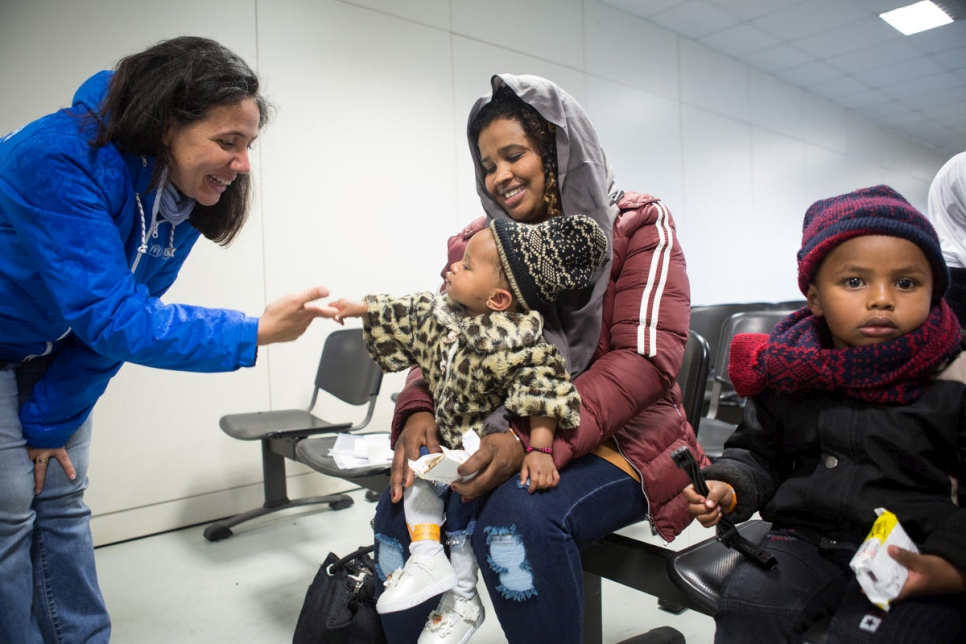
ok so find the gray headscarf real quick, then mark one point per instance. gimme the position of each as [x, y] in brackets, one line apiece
[586, 183]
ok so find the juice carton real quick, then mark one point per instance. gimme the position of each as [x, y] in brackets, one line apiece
[881, 576]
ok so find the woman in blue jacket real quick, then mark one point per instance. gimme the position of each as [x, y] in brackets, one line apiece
[100, 204]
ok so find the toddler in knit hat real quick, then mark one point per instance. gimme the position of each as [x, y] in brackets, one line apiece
[479, 345]
[854, 404]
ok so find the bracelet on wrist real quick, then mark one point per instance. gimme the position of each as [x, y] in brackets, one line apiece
[734, 501]
[542, 450]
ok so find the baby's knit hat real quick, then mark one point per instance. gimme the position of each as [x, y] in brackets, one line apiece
[543, 260]
[878, 210]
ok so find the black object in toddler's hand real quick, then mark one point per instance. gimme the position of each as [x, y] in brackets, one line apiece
[727, 532]
[685, 461]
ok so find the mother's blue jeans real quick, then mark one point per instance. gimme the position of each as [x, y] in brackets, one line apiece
[48, 586]
[528, 546]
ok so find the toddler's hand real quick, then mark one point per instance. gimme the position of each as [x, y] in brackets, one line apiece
[928, 574]
[541, 471]
[343, 308]
[707, 510]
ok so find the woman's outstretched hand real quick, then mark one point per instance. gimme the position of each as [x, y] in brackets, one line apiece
[289, 316]
[499, 457]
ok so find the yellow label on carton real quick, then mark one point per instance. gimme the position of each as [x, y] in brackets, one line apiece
[883, 526]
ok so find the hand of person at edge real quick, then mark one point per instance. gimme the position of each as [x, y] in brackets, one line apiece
[40, 469]
[289, 316]
[928, 574]
[420, 430]
[499, 457]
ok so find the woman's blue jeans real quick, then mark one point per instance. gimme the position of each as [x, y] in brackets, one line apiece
[48, 585]
[528, 546]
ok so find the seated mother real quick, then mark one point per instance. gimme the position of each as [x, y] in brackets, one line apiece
[537, 156]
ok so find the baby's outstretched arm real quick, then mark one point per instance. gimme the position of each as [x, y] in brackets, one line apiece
[707, 510]
[348, 309]
[538, 465]
[928, 574]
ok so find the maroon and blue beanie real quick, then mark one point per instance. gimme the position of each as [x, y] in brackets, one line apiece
[878, 210]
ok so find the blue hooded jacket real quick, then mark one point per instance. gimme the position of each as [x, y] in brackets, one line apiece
[72, 282]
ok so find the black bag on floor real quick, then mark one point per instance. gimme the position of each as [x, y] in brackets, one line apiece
[340, 605]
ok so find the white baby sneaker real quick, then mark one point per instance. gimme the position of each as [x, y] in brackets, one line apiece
[454, 621]
[422, 577]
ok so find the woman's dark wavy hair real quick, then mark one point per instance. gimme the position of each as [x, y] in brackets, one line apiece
[507, 105]
[174, 83]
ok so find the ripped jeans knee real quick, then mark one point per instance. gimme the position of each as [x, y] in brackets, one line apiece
[389, 555]
[507, 557]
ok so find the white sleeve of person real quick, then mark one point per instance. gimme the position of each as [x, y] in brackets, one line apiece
[881, 576]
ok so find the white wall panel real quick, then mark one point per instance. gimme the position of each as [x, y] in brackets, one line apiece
[863, 175]
[549, 29]
[823, 123]
[641, 134]
[713, 82]
[863, 140]
[631, 51]
[433, 13]
[716, 224]
[778, 202]
[925, 162]
[825, 173]
[774, 105]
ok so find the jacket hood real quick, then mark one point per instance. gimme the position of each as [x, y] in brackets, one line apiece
[587, 187]
[89, 95]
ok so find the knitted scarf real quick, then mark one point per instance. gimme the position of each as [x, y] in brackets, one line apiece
[796, 357]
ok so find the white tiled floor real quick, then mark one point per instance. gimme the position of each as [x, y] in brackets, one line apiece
[179, 588]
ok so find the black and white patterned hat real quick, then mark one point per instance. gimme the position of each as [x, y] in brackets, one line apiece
[543, 260]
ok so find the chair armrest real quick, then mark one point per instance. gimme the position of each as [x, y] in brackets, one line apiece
[635, 564]
[700, 570]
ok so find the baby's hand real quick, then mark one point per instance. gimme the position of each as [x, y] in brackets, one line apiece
[541, 471]
[707, 510]
[347, 309]
[928, 574]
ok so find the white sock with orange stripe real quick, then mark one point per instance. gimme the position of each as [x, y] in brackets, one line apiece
[424, 516]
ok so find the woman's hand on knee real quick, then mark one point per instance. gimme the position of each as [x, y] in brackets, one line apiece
[41, 459]
[500, 456]
[419, 431]
[928, 574]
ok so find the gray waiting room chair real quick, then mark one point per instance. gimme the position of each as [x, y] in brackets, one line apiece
[714, 427]
[346, 372]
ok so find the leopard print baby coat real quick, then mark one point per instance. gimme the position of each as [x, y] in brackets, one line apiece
[472, 363]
